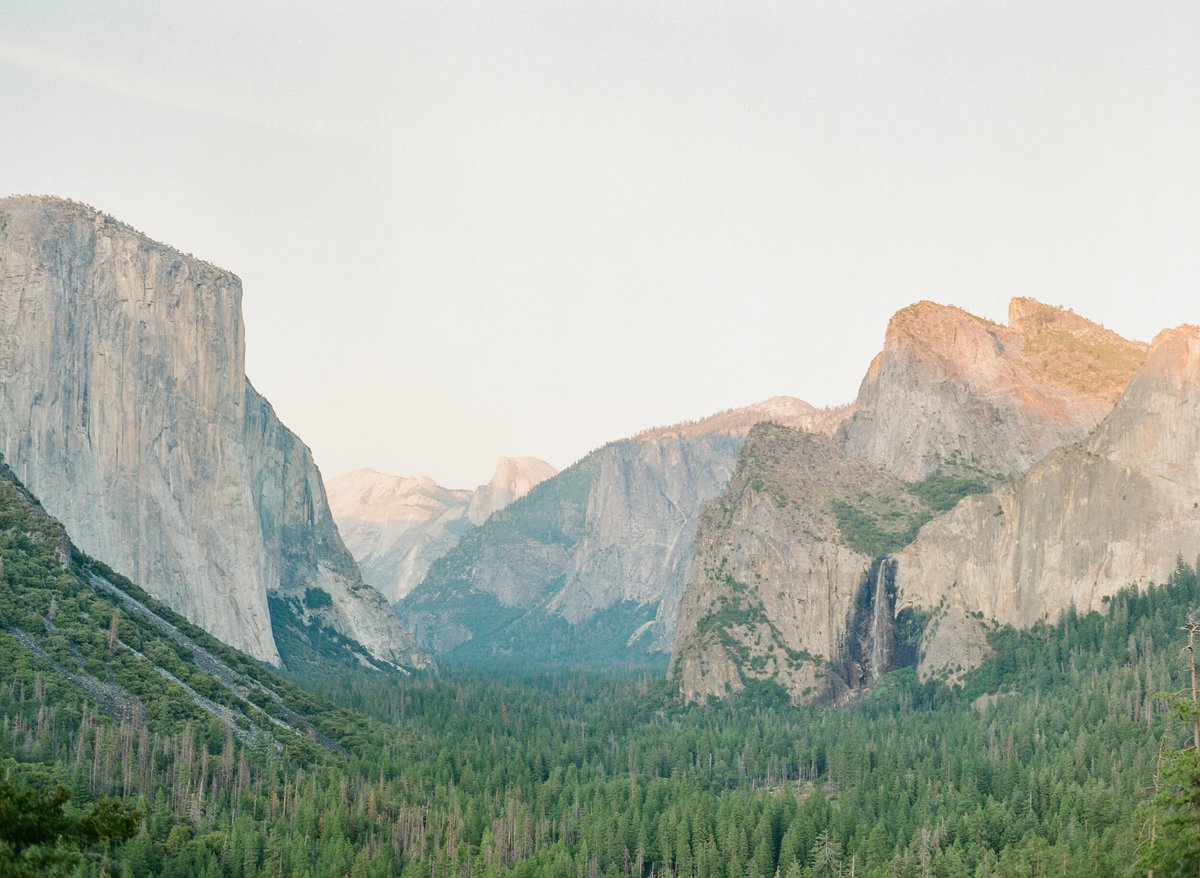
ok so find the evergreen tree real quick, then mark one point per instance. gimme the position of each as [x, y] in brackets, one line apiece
[40, 836]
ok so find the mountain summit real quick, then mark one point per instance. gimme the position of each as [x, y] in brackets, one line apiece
[950, 384]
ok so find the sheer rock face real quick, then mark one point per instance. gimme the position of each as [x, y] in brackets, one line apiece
[636, 542]
[614, 527]
[396, 526]
[1115, 510]
[614, 530]
[125, 408]
[949, 384]
[773, 584]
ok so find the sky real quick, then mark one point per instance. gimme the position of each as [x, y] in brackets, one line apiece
[468, 230]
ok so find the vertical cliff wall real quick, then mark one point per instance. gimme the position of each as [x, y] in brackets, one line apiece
[124, 407]
[1114, 511]
[786, 580]
[776, 586]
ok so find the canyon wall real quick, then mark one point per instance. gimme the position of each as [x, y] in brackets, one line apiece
[124, 407]
[1115, 510]
[788, 584]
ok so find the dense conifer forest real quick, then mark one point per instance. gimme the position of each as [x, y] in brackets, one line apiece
[1045, 762]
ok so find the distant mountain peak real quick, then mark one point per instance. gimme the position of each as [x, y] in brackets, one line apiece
[519, 474]
[514, 478]
[369, 495]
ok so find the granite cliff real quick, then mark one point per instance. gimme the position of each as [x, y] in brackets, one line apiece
[948, 384]
[791, 580]
[1115, 510]
[775, 583]
[396, 526]
[125, 408]
[589, 567]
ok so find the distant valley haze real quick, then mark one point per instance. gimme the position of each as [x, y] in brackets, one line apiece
[527, 229]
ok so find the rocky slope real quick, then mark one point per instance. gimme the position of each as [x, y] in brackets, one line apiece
[124, 406]
[77, 633]
[397, 526]
[1115, 510]
[949, 384]
[589, 567]
[952, 405]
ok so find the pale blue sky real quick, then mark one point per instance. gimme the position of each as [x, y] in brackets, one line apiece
[468, 230]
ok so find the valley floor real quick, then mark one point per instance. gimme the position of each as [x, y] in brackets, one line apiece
[1041, 765]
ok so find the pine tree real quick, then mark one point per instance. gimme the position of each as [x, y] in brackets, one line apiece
[1171, 848]
[114, 641]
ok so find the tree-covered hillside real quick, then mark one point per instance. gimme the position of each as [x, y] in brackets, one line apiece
[1036, 767]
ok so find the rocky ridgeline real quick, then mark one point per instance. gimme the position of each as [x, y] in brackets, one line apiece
[125, 408]
[948, 384]
[397, 526]
[788, 582]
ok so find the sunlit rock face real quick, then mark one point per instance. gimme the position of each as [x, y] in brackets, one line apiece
[951, 385]
[778, 590]
[1115, 510]
[125, 408]
[513, 479]
[397, 526]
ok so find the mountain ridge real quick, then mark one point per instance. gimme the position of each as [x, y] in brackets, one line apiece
[950, 384]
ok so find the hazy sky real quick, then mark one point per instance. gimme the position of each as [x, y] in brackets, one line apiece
[468, 230]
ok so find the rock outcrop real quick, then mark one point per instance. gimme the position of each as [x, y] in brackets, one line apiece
[774, 584]
[396, 526]
[124, 406]
[589, 567]
[951, 385]
[1116, 510]
[952, 405]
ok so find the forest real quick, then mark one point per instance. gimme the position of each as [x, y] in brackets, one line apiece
[1059, 756]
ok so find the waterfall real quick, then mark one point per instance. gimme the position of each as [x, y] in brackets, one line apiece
[880, 620]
